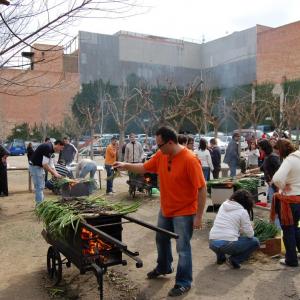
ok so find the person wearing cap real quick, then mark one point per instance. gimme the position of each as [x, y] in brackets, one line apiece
[110, 159]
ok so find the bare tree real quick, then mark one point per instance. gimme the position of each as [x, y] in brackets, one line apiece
[124, 108]
[25, 21]
[174, 105]
[88, 105]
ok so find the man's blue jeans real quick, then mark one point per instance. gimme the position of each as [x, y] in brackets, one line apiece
[109, 182]
[88, 168]
[183, 226]
[38, 177]
[232, 167]
[239, 250]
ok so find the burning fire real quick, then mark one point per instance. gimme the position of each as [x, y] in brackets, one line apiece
[94, 244]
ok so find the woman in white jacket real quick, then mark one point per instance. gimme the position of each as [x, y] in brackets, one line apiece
[232, 233]
[205, 158]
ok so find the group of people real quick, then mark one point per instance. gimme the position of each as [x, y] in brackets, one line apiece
[132, 152]
[42, 161]
[183, 198]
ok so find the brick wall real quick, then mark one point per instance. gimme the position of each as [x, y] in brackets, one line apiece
[278, 53]
[41, 95]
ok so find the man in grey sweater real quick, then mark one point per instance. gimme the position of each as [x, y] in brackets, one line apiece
[133, 151]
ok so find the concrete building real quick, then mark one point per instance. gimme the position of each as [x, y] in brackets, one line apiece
[43, 93]
[224, 62]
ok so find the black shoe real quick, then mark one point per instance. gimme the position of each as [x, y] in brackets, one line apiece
[220, 261]
[154, 274]
[178, 290]
[232, 263]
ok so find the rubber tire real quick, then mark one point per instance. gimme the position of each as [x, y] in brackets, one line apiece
[132, 190]
[54, 265]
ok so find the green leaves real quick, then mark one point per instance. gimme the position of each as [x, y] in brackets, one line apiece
[264, 230]
[61, 215]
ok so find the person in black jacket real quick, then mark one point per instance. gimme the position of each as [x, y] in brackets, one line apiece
[215, 153]
[270, 165]
[3, 172]
[29, 151]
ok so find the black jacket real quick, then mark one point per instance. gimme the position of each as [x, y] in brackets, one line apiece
[215, 154]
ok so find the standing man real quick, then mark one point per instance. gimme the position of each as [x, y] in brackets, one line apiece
[133, 151]
[110, 159]
[69, 152]
[232, 155]
[183, 197]
[4, 153]
[41, 160]
[215, 153]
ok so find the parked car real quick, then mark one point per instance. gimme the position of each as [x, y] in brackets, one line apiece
[226, 140]
[16, 147]
[248, 133]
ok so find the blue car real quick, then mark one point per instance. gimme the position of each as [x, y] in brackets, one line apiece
[16, 147]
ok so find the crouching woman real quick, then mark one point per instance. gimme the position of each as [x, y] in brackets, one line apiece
[232, 233]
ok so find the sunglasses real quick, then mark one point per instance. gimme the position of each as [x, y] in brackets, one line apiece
[161, 145]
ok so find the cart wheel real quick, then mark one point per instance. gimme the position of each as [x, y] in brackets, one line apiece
[54, 265]
[149, 192]
[132, 190]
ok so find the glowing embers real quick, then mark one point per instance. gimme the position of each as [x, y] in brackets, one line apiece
[93, 245]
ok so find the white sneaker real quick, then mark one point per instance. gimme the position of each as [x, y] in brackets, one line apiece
[282, 261]
[110, 193]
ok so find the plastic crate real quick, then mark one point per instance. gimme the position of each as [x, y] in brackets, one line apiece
[220, 194]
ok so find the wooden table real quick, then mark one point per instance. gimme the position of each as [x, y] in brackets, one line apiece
[23, 169]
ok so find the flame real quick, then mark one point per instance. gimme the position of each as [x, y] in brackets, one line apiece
[94, 244]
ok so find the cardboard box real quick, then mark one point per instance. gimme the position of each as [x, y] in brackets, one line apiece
[271, 247]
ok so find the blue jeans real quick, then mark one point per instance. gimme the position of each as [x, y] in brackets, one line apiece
[270, 193]
[88, 168]
[38, 177]
[232, 167]
[291, 235]
[109, 182]
[206, 173]
[183, 226]
[239, 250]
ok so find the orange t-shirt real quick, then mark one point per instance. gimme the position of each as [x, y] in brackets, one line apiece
[110, 154]
[180, 178]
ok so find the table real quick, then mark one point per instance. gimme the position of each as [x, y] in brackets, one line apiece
[99, 169]
[22, 169]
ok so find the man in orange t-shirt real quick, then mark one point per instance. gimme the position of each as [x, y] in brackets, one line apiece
[183, 197]
[110, 159]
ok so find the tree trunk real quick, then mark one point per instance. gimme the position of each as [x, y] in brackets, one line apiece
[121, 143]
[92, 143]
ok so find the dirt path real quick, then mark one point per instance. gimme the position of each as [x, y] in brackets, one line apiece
[23, 262]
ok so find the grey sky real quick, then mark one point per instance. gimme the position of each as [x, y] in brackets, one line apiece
[193, 19]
